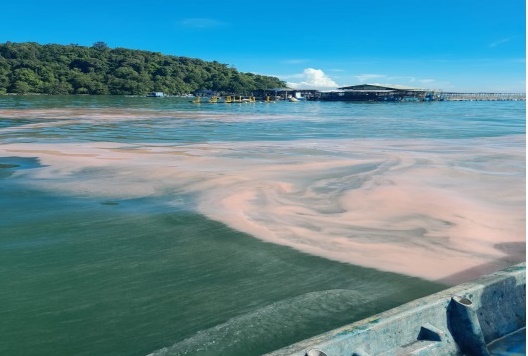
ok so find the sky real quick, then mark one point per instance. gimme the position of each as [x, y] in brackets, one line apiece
[450, 45]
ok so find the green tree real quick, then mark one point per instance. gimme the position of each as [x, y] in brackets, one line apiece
[100, 45]
[20, 87]
[73, 69]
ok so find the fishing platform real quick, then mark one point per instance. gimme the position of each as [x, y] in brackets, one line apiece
[374, 92]
[357, 93]
[453, 96]
[229, 99]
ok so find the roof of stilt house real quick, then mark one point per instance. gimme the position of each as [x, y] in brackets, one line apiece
[380, 87]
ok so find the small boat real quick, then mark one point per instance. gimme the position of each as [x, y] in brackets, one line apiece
[293, 99]
[238, 99]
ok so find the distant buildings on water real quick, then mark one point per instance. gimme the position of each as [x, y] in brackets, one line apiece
[362, 92]
[371, 92]
[375, 92]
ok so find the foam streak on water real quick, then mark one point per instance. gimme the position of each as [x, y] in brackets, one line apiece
[426, 207]
[261, 325]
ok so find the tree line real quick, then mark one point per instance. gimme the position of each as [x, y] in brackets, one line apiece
[99, 70]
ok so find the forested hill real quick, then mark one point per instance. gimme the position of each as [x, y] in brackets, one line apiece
[72, 69]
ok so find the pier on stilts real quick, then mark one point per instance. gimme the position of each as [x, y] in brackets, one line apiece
[452, 96]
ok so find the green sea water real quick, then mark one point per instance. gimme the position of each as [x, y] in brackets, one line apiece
[90, 274]
[88, 277]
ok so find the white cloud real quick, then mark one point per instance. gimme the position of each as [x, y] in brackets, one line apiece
[313, 79]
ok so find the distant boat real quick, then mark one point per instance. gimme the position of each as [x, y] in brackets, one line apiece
[292, 99]
[237, 99]
[156, 94]
[224, 100]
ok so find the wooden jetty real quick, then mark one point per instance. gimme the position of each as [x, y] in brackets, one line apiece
[452, 96]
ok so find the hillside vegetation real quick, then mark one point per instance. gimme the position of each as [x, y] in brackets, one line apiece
[72, 69]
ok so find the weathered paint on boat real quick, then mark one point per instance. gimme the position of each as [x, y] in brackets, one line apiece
[471, 318]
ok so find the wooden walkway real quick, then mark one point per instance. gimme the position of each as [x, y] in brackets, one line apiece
[481, 96]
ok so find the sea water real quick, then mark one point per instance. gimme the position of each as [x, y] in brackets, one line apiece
[135, 226]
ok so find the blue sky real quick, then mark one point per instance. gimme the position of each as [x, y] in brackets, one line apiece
[453, 45]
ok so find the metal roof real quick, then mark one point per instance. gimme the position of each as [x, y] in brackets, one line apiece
[371, 87]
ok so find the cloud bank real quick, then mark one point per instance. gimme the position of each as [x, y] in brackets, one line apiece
[313, 79]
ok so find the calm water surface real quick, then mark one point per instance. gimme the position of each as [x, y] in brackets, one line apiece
[132, 226]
